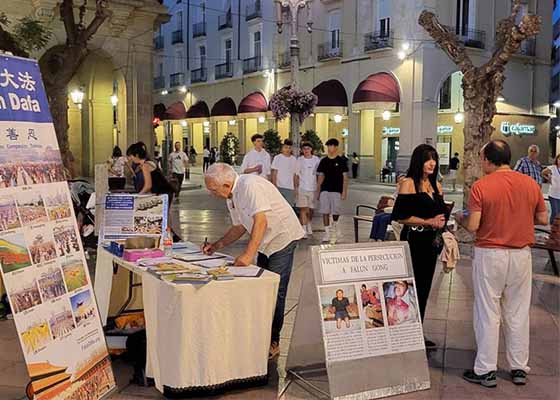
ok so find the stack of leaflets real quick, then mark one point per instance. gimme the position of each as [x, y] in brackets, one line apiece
[220, 274]
[195, 278]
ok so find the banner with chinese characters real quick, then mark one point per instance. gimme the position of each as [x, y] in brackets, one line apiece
[42, 260]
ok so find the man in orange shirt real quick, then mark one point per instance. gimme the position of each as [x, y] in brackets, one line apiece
[504, 207]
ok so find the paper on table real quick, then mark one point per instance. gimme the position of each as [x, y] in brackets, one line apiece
[247, 272]
[214, 263]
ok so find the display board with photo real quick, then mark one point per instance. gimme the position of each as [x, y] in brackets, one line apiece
[42, 260]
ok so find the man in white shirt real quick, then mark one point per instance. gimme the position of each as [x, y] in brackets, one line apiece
[178, 163]
[257, 161]
[307, 173]
[258, 208]
[284, 173]
[205, 158]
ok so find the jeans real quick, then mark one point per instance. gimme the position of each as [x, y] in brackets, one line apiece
[379, 226]
[281, 263]
[554, 208]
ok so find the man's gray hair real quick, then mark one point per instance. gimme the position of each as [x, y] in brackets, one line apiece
[221, 173]
[534, 146]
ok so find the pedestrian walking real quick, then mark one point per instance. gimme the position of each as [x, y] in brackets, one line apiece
[284, 174]
[307, 173]
[355, 165]
[552, 175]
[453, 167]
[213, 155]
[530, 165]
[116, 165]
[332, 189]
[257, 161]
[178, 163]
[257, 207]
[192, 156]
[420, 208]
[504, 207]
[205, 158]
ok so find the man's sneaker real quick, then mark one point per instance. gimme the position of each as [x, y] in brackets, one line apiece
[338, 229]
[519, 377]
[327, 235]
[334, 236]
[487, 380]
[309, 229]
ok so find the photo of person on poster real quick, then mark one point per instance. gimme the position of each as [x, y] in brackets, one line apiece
[340, 307]
[400, 300]
[371, 305]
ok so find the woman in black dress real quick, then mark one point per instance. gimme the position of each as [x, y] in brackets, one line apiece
[421, 209]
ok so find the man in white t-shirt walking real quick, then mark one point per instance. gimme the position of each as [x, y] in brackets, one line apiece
[307, 172]
[178, 163]
[257, 161]
[284, 174]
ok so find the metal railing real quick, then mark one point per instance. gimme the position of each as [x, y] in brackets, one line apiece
[177, 79]
[159, 82]
[177, 36]
[252, 64]
[253, 10]
[224, 70]
[198, 75]
[224, 21]
[158, 42]
[284, 59]
[329, 51]
[528, 47]
[470, 37]
[378, 40]
[199, 29]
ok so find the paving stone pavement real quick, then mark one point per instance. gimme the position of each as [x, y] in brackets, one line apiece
[448, 320]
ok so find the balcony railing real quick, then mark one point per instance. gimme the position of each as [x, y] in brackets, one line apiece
[470, 37]
[159, 82]
[158, 42]
[252, 64]
[224, 70]
[284, 60]
[253, 10]
[198, 75]
[177, 79]
[528, 47]
[177, 36]
[224, 21]
[378, 40]
[329, 51]
[199, 29]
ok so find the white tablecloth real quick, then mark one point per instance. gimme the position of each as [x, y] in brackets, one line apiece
[201, 335]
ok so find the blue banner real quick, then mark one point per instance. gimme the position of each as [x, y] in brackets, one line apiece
[22, 95]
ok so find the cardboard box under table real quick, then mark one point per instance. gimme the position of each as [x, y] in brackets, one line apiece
[200, 336]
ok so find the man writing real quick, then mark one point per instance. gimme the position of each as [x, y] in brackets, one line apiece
[504, 207]
[178, 163]
[257, 161]
[258, 208]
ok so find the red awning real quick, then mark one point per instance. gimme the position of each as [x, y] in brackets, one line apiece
[224, 107]
[381, 87]
[176, 111]
[198, 110]
[253, 103]
[331, 94]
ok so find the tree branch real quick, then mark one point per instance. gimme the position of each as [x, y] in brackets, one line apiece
[101, 14]
[67, 16]
[8, 43]
[448, 41]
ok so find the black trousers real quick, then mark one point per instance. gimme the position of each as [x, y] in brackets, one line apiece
[424, 259]
[355, 171]
[179, 178]
[205, 163]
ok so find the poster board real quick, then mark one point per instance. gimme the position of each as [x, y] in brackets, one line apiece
[363, 327]
[130, 215]
[41, 255]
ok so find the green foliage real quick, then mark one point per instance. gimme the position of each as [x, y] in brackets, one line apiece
[311, 136]
[272, 142]
[229, 147]
[31, 34]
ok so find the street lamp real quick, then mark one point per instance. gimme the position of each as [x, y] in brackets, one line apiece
[386, 115]
[77, 96]
[293, 7]
[114, 100]
[337, 118]
[261, 119]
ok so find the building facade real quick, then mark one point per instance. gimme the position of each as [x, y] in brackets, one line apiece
[383, 85]
[115, 80]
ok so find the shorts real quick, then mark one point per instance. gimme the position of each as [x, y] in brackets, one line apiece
[330, 203]
[305, 199]
[289, 195]
[452, 174]
[341, 314]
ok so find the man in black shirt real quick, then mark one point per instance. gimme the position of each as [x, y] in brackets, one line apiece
[453, 167]
[332, 188]
[340, 304]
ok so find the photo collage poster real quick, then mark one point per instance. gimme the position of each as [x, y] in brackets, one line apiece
[42, 260]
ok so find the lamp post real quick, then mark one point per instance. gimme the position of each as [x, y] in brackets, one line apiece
[293, 7]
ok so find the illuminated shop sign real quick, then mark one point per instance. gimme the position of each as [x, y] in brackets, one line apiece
[444, 129]
[387, 130]
[518, 129]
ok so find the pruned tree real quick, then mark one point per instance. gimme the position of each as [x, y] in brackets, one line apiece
[60, 63]
[481, 84]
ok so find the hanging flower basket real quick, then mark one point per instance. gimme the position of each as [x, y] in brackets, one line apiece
[292, 101]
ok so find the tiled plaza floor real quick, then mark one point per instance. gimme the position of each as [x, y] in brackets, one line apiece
[448, 322]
